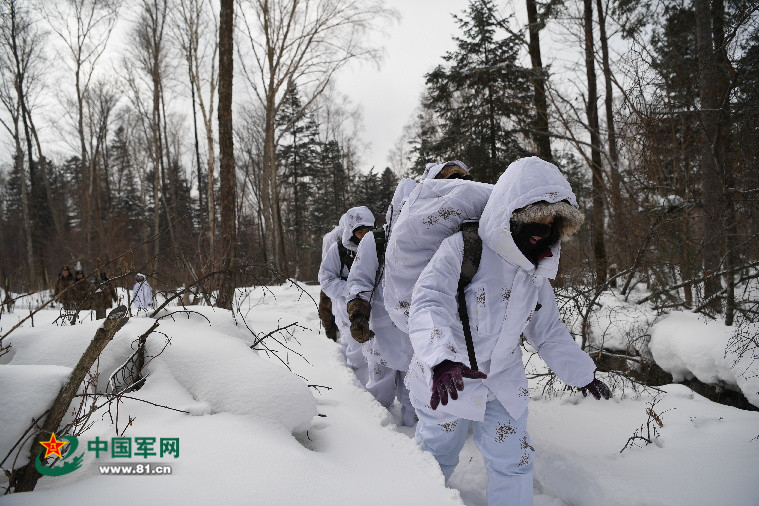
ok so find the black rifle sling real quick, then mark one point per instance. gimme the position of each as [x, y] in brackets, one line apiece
[346, 258]
[469, 266]
[380, 242]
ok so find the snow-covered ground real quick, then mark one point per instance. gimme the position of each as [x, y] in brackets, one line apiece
[258, 433]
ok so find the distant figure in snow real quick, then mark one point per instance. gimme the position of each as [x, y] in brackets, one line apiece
[104, 295]
[109, 292]
[65, 280]
[142, 294]
[81, 293]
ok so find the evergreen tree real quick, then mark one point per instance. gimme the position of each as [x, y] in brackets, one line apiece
[423, 133]
[367, 192]
[297, 159]
[71, 172]
[481, 96]
[125, 200]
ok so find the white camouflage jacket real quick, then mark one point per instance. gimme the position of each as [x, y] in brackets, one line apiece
[508, 296]
[390, 346]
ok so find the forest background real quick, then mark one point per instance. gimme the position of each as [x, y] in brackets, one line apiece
[652, 111]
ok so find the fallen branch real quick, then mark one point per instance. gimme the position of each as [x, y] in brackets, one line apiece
[25, 479]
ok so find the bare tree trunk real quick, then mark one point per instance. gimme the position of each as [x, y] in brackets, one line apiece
[84, 195]
[169, 204]
[211, 156]
[25, 209]
[270, 194]
[724, 150]
[210, 183]
[541, 136]
[227, 179]
[617, 214]
[711, 122]
[195, 132]
[155, 30]
[609, 102]
[31, 198]
[597, 220]
[157, 162]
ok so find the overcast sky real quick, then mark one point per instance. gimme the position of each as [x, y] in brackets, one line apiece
[389, 95]
[413, 47]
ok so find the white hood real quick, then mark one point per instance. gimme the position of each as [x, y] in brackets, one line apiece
[526, 181]
[402, 191]
[355, 217]
[331, 237]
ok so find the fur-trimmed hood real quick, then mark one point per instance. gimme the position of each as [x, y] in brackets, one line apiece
[433, 169]
[528, 181]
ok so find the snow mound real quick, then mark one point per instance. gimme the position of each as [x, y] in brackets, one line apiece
[222, 372]
[687, 345]
[65, 345]
[614, 324]
[26, 391]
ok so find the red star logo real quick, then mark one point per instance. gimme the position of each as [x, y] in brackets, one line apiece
[53, 446]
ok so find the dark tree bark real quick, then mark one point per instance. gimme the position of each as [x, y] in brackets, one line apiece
[724, 150]
[710, 95]
[541, 135]
[227, 180]
[597, 220]
[609, 102]
[33, 218]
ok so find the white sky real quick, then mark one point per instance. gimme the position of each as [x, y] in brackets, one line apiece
[389, 95]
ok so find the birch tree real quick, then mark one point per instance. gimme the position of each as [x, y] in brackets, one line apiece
[20, 59]
[303, 42]
[197, 29]
[84, 27]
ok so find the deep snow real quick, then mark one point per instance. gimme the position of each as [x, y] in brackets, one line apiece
[252, 437]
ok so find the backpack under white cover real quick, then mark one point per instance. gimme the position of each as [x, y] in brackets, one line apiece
[433, 211]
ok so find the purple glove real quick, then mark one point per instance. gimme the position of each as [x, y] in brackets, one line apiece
[597, 389]
[448, 378]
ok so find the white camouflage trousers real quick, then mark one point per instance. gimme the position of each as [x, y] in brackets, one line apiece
[386, 385]
[503, 442]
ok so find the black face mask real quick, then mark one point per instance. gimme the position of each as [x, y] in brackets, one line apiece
[523, 232]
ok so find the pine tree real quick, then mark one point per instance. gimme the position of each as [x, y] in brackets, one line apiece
[297, 155]
[481, 96]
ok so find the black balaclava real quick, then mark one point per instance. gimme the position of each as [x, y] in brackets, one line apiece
[522, 232]
[354, 239]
